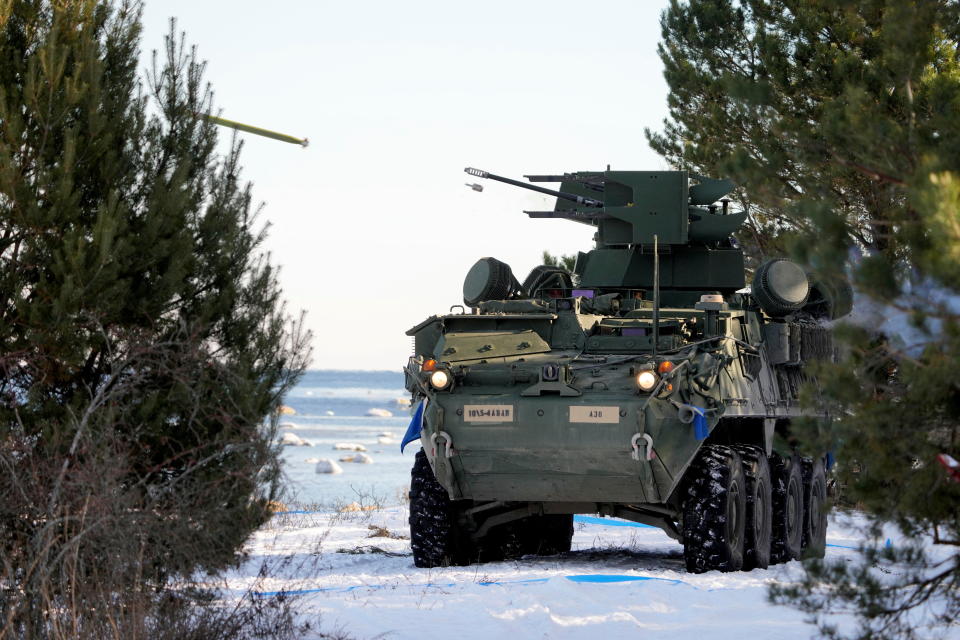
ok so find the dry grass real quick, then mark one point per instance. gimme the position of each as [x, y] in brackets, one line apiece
[383, 532]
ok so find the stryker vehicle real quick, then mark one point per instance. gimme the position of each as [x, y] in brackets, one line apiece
[649, 385]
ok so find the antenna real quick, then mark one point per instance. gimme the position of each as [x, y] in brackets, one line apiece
[656, 294]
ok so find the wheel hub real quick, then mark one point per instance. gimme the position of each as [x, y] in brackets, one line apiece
[733, 513]
[760, 514]
[793, 507]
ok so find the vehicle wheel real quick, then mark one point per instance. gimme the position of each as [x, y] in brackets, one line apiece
[714, 511]
[436, 537]
[541, 274]
[787, 533]
[504, 542]
[814, 507]
[757, 531]
[548, 535]
[534, 535]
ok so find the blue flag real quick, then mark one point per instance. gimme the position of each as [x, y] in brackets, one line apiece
[701, 428]
[416, 425]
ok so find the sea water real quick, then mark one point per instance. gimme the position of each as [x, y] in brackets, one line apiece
[332, 407]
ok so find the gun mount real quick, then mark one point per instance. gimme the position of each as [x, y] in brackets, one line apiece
[633, 209]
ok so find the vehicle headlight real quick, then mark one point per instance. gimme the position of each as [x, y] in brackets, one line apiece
[440, 379]
[647, 380]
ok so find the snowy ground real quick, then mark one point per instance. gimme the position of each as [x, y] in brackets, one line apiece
[618, 582]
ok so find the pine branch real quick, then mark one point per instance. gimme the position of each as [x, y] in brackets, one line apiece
[938, 540]
[873, 174]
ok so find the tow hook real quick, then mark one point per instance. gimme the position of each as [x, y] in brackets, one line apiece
[447, 440]
[636, 447]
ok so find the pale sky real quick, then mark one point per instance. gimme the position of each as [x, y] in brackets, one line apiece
[372, 225]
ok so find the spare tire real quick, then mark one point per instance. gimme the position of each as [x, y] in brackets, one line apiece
[543, 273]
[780, 287]
[830, 298]
[488, 279]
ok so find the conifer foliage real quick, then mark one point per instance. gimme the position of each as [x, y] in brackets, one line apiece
[838, 118]
[144, 348]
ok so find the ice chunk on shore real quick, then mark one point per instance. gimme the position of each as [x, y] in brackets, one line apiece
[348, 446]
[328, 466]
[359, 458]
[293, 440]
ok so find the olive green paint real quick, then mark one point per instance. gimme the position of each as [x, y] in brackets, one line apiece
[545, 410]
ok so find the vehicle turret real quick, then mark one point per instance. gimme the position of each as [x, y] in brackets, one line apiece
[686, 216]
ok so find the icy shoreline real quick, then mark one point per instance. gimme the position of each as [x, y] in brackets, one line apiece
[354, 571]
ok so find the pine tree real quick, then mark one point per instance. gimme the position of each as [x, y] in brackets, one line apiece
[144, 347]
[567, 261]
[838, 120]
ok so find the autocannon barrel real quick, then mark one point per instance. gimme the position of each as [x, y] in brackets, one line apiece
[589, 202]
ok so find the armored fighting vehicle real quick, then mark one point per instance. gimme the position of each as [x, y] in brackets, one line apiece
[649, 384]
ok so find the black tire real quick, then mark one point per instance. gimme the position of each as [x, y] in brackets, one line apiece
[503, 542]
[436, 538]
[488, 279]
[714, 511]
[829, 298]
[535, 535]
[541, 274]
[759, 523]
[814, 508]
[787, 534]
[780, 287]
[548, 535]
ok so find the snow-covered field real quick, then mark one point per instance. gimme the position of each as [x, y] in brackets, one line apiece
[620, 581]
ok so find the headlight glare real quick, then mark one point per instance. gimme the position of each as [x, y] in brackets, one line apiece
[440, 379]
[647, 380]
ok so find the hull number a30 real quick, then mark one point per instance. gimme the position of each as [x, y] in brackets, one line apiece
[603, 415]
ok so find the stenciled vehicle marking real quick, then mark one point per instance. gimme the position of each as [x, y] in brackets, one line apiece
[601, 415]
[488, 413]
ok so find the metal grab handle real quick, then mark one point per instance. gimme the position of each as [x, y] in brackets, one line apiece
[447, 440]
[636, 448]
